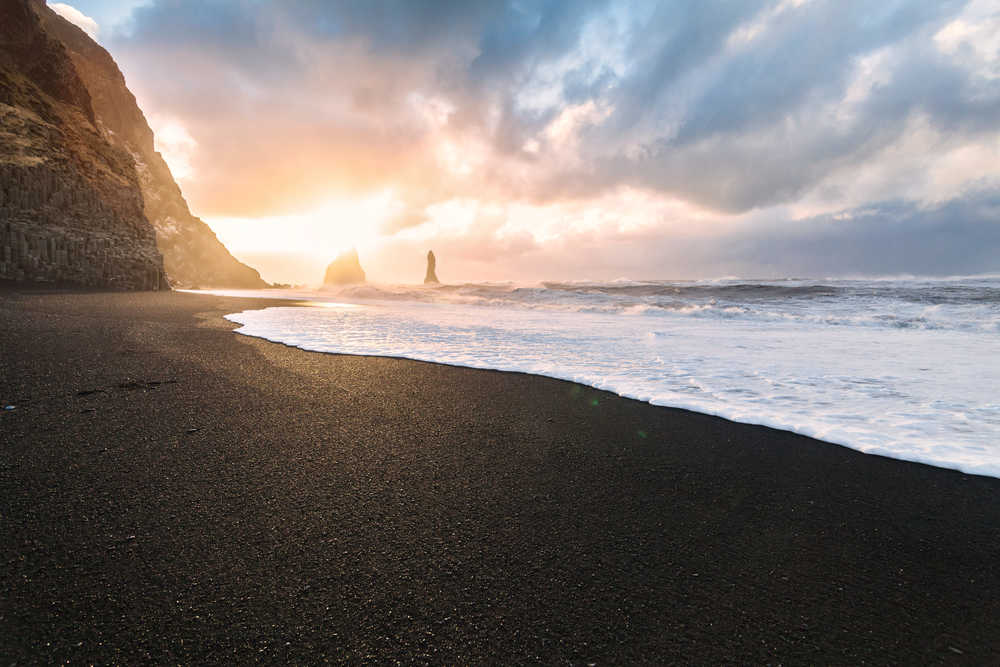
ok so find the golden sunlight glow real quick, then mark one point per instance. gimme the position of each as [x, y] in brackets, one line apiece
[328, 230]
[333, 304]
[466, 231]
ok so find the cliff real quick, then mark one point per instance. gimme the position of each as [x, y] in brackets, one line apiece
[345, 270]
[192, 254]
[71, 205]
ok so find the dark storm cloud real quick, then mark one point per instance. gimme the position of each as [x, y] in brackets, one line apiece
[957, 237]
[806, 58]
[676, 39]
[781, 88]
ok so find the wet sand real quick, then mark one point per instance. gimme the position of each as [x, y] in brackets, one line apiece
[173, 492]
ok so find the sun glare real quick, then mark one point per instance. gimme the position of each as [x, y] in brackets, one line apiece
[327, 230]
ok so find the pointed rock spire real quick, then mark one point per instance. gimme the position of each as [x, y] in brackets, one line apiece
[431, 277]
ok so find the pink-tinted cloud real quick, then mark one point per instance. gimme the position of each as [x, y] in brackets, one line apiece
[723, 115]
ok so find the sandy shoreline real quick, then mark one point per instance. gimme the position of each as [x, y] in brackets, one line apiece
[174, 492]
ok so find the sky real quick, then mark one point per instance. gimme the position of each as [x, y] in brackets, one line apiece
[577, 139]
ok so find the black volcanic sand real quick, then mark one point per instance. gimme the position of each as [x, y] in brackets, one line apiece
[173, 492]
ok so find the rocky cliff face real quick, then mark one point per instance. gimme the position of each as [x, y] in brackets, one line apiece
[192, 254]
[71, 206]
[345, 270]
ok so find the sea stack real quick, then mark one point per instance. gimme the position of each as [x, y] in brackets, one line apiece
[345, 270]
[431, 277]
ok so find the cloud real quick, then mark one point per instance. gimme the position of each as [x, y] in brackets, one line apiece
[77, 18]
[955, 237]
[729, 111]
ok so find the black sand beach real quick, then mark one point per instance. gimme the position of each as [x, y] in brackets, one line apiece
[173, 492]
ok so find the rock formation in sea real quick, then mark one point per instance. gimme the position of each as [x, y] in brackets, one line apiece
[345, 270]
[431, 277]
[71, 203]
[192, 254]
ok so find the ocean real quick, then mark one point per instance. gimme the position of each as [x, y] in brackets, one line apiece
[906, 368]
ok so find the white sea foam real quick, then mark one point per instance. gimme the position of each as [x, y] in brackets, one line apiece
[903, 368]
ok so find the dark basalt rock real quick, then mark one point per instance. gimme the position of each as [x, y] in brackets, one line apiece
[345, 270]
[71, 205]
[192, 254]
[431, 277]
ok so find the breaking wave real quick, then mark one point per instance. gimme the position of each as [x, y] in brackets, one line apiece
[907, 368]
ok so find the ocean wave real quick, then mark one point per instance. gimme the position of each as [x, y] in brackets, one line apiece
[899, 377]
[944, 306]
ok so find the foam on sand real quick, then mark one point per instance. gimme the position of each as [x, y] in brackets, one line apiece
[906, 369]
